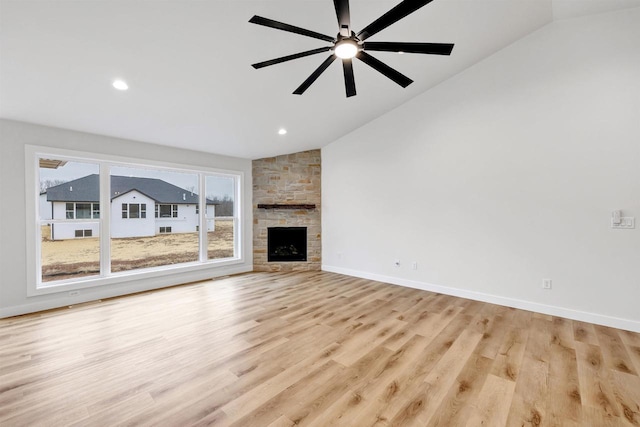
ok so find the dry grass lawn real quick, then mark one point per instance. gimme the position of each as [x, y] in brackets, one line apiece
[81, 257]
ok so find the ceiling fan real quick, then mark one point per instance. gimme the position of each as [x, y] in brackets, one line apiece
[348, 45]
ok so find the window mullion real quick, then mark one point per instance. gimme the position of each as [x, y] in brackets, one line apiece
[237, 230]
[202, 219]
[105, 220]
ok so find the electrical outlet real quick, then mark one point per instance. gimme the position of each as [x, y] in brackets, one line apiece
[414, 265]
[546, 283]
[339, 255]
[396, 263]
[74, 293]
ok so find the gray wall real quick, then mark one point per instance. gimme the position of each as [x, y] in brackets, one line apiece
[502, 176]
[13, 271]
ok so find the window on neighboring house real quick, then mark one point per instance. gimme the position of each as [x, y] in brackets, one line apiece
[84, 233]
[83, 210]
[134, 210]
[167, 211]
[164, 230]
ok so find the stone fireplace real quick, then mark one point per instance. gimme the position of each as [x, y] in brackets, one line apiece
[286, 205]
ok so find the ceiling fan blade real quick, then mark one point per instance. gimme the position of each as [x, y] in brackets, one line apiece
[344, 20]
[391, 17]
[314, 76]
[291, 28]
[290, 57]
[428, 48]
[383, 68]
[349, 81]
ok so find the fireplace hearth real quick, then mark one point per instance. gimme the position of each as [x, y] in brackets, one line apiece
[288, 244]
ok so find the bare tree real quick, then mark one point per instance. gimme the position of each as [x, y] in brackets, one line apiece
[224, 206]
[48, 183]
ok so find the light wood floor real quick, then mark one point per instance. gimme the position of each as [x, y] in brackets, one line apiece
[315, 349]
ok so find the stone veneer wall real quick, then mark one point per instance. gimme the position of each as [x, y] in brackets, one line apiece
[287, 179]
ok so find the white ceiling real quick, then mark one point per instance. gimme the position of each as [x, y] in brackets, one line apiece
[188, 62]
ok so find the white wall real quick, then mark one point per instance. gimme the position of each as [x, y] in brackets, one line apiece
[132, 227]
[13, 138]
[502, 176]
[67, 229]
[45, 207]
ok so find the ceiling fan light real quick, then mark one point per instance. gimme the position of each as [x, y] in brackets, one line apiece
[346, 49]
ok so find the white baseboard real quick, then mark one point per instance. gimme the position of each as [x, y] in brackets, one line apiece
[583, 316]
[110, 291]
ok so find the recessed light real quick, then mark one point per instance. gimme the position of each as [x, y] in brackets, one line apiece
[282, 131]
[120, 85]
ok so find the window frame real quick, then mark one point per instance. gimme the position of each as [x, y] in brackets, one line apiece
[173, 210]
[70, 213]
[35, 286]
[94, 210]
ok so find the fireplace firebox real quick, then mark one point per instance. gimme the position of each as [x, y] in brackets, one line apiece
[286, 244]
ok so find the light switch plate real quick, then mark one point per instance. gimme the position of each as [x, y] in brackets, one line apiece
[626, 222]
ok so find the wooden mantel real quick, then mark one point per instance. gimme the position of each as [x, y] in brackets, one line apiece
[286, 206]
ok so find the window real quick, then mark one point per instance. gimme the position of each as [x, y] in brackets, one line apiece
[134, 210]
[176, 192]
[83, 210]
[66, 212]
[84, 233]
[220, 216]
[167, 211]
[71, 205]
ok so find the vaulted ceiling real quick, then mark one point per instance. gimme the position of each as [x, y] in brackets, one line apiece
[187, 64]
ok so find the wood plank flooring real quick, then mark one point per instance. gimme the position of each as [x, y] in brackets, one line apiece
[317, 349]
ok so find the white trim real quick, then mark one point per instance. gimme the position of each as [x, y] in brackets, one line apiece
[599, 319]
[202, 219]
[33, 255]
[163, 281]
[105, 220]
[105, 162]
[238, 216]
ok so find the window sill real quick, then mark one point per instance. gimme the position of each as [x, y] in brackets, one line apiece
[129, 276]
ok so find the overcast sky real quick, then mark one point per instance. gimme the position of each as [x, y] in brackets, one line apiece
[217, 186]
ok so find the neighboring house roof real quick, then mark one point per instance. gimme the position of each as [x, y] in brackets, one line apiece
[86, 189]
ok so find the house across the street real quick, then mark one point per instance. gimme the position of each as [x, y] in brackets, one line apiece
[139, 207]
